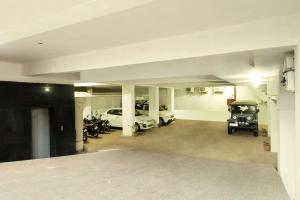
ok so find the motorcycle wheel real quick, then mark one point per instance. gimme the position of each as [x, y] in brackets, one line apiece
[85, 138]
[96, 134]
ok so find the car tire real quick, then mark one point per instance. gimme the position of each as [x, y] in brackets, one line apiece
[136, 127]
[255, 133]
[161, 121]
[229, 130]
[107, 128]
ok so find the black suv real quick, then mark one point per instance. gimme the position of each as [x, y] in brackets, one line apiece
[243, 116]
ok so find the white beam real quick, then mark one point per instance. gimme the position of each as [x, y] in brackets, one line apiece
[128, 108]
[154, 103]
[269, 33]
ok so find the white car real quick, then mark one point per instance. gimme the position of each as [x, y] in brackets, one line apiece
[165, 117]
[114, 116]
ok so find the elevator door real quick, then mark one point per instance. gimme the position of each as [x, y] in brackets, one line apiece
[40, 133]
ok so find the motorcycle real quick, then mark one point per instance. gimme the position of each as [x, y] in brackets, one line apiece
[104, 125]
[85, 133]
[91, 128]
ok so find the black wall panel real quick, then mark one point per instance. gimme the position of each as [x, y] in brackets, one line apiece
[16, 102]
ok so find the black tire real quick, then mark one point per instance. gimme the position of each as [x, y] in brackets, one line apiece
[161, 121]
[96, 134]
[229, 130]
[136, 127]
[107, 128]
[255, 133]
[85, 138]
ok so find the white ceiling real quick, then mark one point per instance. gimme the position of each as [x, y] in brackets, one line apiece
[14, 13]
[157, 19]
[226, 68]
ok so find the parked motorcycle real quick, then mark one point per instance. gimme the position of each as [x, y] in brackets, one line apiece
[104, 125]
[92, 128]
[85, 133]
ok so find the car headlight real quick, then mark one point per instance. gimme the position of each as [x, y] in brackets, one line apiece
[249, 118]
[234, 117]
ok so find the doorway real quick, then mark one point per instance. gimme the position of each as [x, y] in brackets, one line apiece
[40, 123]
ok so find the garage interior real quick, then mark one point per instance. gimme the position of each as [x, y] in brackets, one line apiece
[170, 85]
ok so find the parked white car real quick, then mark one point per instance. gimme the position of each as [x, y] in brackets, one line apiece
[165, 116]
[114, 116]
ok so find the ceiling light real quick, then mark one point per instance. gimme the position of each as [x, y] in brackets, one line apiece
[47, 89]
[86, 84]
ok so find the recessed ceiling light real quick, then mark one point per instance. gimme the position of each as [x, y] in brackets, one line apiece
[47, 89]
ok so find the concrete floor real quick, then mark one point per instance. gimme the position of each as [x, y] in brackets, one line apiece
[191, 138]
[136, 175]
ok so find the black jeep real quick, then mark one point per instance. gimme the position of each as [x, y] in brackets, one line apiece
[243, 116]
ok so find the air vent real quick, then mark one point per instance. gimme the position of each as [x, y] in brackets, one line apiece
[190, 90]
[218, 90]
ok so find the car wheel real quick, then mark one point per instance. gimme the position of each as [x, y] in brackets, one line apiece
[107, 128]
[136, 127]
[255, 133]
[161, 121]
[229, 130]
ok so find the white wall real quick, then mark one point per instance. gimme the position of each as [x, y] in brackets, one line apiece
[286, 156]
[297, 119]
[207, 107]
[99, 104]
[213, 107]
[102, 103]
[163, 96]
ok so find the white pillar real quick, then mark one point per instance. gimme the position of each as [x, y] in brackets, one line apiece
[79, 104]
[128, 108]
[171, 99]
[154, 103]
[273, 115]
[297, 120]
[87, 108]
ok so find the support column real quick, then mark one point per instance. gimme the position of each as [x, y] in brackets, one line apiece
[79, 104]
[154, 103]
[171, 99]
[273, 121]
[128, 108]
[297, 120]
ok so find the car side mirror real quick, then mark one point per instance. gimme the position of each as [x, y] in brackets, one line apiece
[257, 111]
[229, 110]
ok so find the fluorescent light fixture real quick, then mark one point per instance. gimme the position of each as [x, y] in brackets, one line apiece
[82, 94]
[86, 84]
[47, 89]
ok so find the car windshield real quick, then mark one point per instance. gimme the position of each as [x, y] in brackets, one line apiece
[246, 109]
[137, 113]
[162, 108]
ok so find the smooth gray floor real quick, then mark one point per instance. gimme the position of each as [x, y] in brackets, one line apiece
[138, 175]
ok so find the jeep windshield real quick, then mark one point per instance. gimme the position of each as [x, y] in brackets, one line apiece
[243, 109]
[137, 113]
